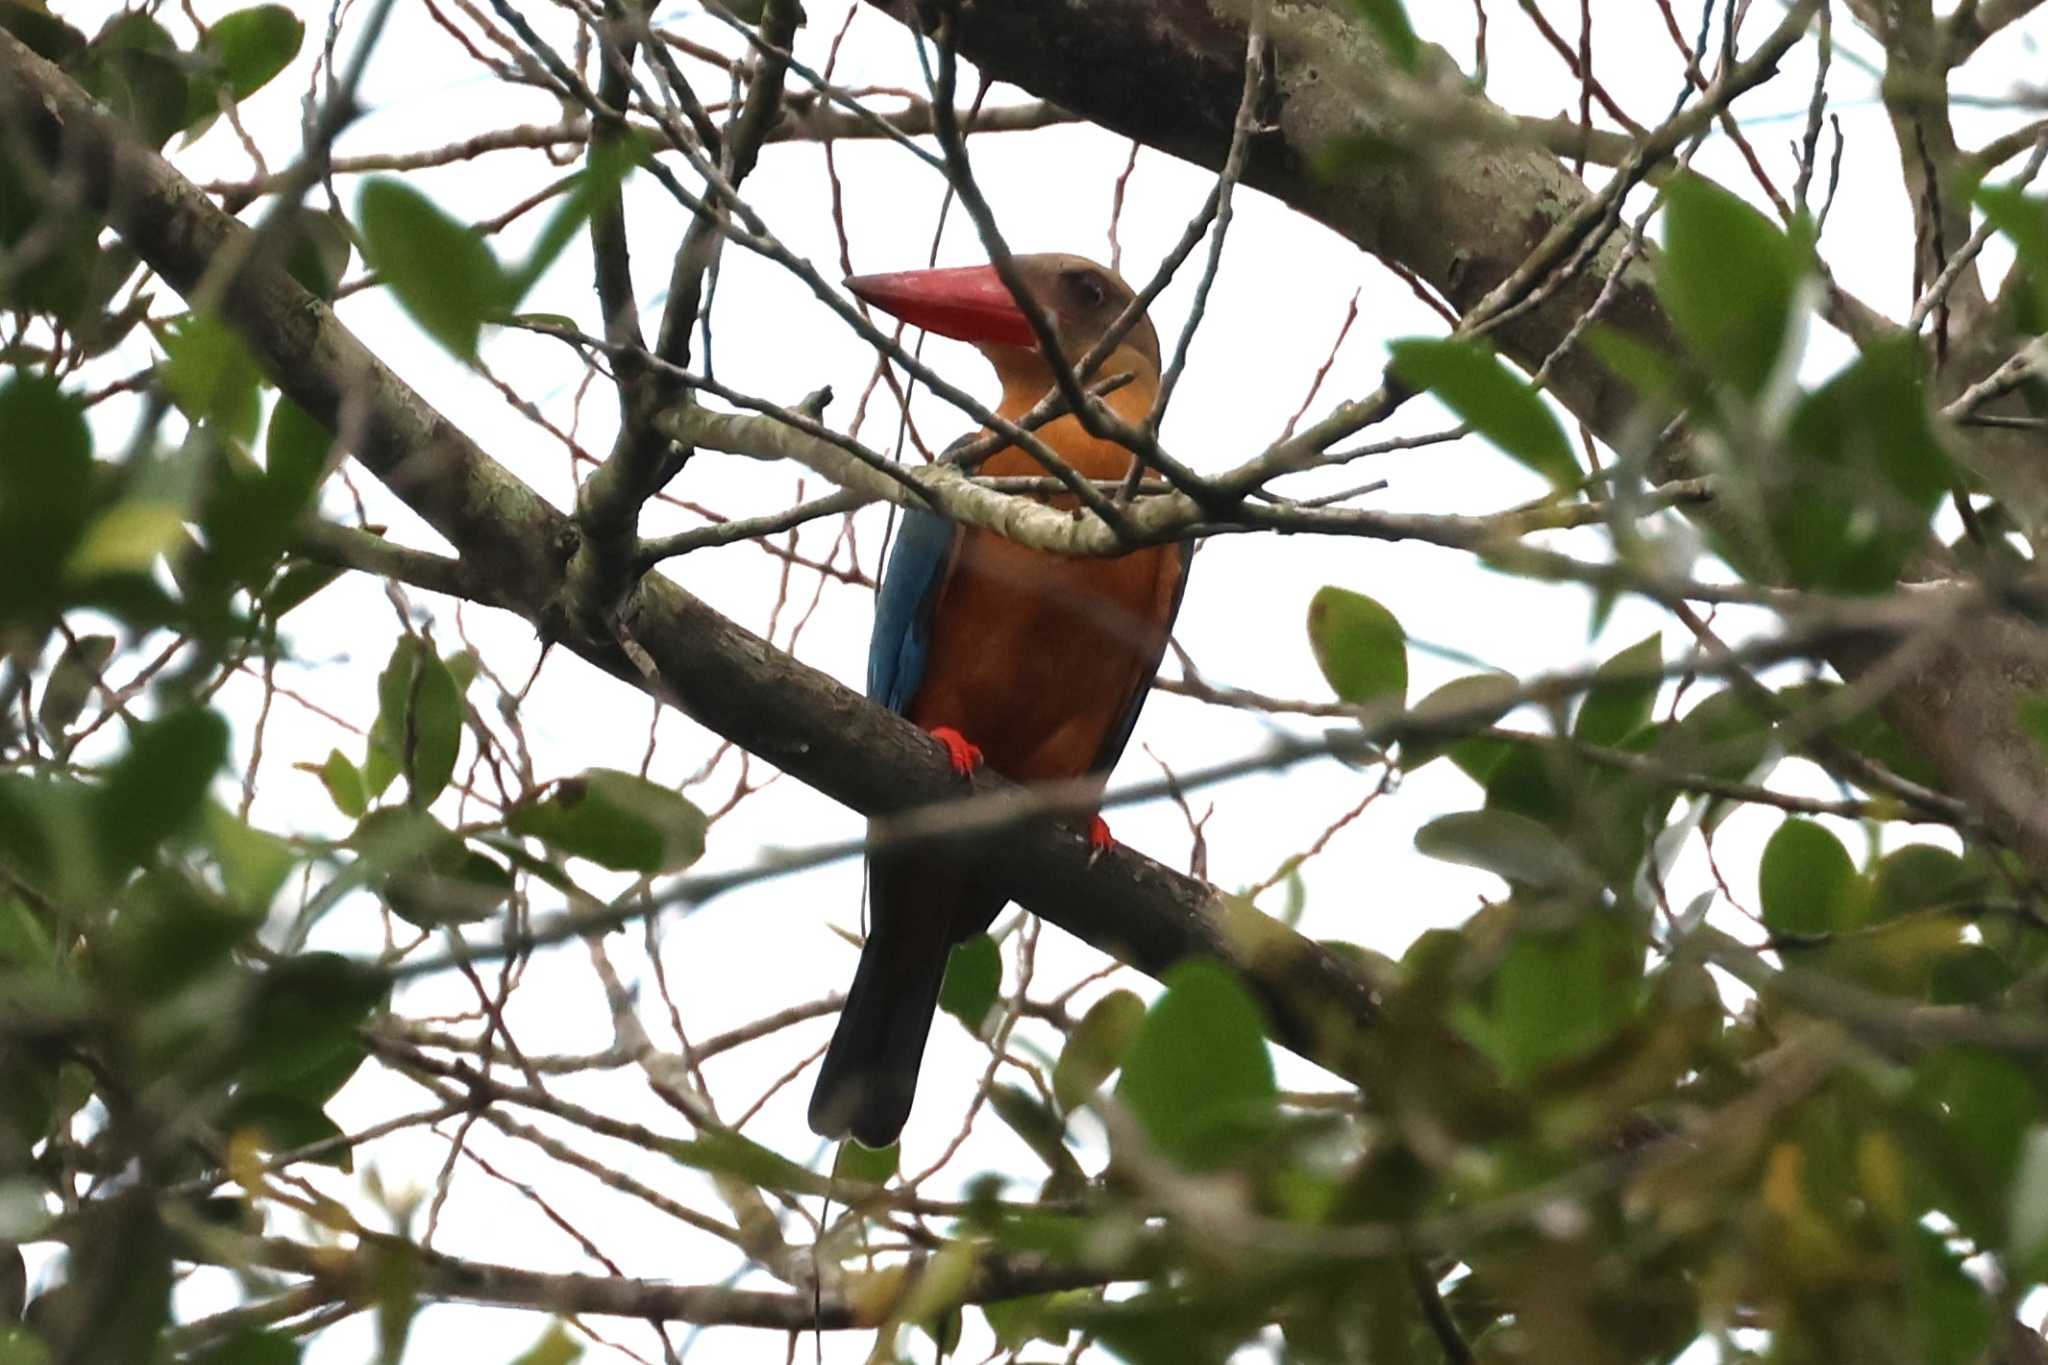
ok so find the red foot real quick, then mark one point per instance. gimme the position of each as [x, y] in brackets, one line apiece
[1100, 841]
[961, 752]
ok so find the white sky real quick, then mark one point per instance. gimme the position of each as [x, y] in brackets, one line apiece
[1274, 312]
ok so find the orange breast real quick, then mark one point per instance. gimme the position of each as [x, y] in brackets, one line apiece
[1034, 656]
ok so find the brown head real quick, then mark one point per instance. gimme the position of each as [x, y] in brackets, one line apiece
[971, 303]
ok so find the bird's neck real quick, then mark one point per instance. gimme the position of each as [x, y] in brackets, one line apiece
[1026, 381]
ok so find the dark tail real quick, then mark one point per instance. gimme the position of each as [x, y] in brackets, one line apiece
[870, 1071]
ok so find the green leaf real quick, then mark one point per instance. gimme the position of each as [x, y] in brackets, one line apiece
[1469, 379]
[1036, 1317]
[2025, 222]
[974, 974]
[45, 491]
[72, 681]
[1479, 701]
[1920, 877]
[442, 271]
[724, 1152]
[285, 1123]
[253, 45]
[127, 538]
[866, 1165]
[1390, 21]
[419, 723]
[301, 1022]
[1509, 845]
[251, 1347]
[135, 68]
[2029, 1223]
[594, 190]
[253, 863]
[1096, 1047]
[1358, 644]
[1040, 1128]
[1806, 881]
[1730, 281]
[429, 877]
[297, 585]
[555, 1347]
[318, 246]
[1849, 496]
[1623, 691]
[344, 783]
[170, 934]
[617, 820]
[1198, 1076]
[210, 374]
[1950, 1310]
[1555, 996]
[157, 788]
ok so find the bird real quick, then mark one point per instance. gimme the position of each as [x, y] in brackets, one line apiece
[1031, 662]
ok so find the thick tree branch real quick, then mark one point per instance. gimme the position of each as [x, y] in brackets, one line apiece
[728, 679]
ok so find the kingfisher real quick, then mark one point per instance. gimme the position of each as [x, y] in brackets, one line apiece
[1034, 663]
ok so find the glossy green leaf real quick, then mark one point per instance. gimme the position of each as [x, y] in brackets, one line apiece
[210, 374]
[1035, 1122]
[1920, 877]
[418, 732]
[866, 1165]
[253, 863]
[1389, 19]
[1358, 644]
[1806, 882]
[1555, 995]
[135, 68]
[300, 581]
[1473, 382]
[1850, 495]
[1198, 1077]
[617, 820]
[127, 538]
[428, 875]
[1623, 691]
[974, 975]
[595, 189]
[157, 788]
[1475, 703]
[1096, 1047]
[441, 270]
[344, 783]
[724, 1152]
[1729, 279]
[253, 45]
[285, 1123]
[555, 1347]
[302, 1019]
[1509, 845]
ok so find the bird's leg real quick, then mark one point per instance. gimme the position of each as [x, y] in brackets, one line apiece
[1100, 840]
[961, 752]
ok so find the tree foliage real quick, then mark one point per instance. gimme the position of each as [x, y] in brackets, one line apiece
[1620, 1110]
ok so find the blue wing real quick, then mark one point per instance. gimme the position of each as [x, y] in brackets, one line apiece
[901, 642]
[1120, 734]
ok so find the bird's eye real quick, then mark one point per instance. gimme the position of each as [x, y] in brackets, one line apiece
[1088, 287]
